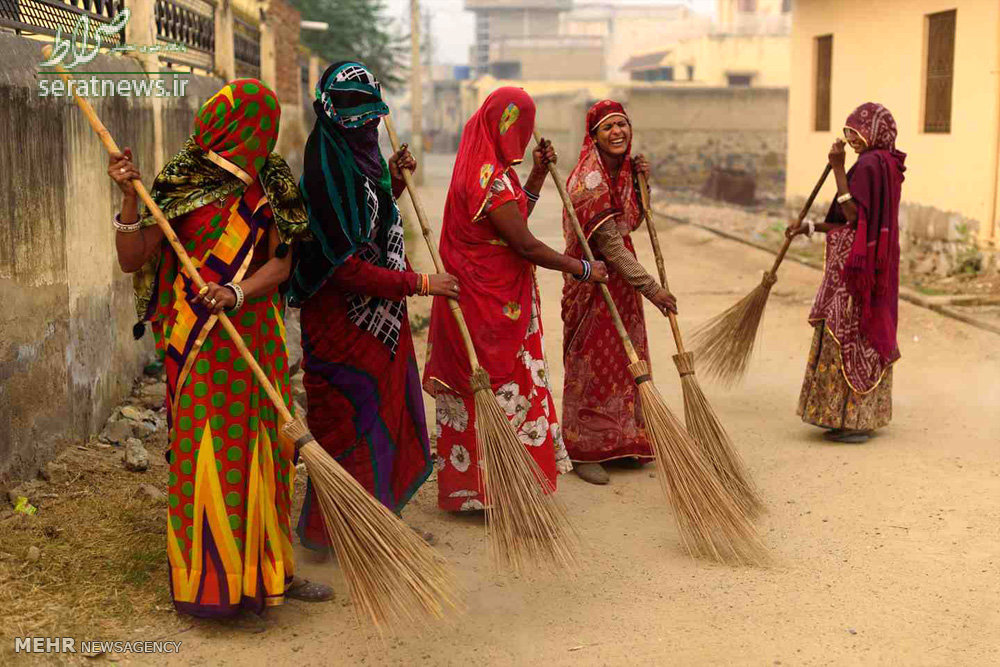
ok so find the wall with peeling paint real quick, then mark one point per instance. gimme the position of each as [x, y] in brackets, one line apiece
[67, 356]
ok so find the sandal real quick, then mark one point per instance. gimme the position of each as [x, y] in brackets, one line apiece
[849, 437]
[592, 472]
[308, 591]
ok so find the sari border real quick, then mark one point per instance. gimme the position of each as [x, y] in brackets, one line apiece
[822, 321]
[223, 163]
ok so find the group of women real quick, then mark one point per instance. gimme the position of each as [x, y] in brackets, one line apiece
[333, 246]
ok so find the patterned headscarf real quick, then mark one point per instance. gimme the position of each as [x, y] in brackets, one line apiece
[875, 125]
[239, 123]
[350, 77]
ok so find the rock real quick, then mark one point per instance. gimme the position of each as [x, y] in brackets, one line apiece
[151, 492]
[136, 456]
[54, 473]
[144, 429]
[293, 337]
[34, 553]
[116, 431]
[136, 414]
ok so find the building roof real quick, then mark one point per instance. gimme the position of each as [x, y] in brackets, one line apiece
[645, 61]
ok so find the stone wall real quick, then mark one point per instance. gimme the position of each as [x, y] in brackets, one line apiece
[687, 131]
[67, 356]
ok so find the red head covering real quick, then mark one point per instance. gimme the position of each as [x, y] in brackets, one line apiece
[871, 272]
[495, 138]
[240, 123]
[595, 196]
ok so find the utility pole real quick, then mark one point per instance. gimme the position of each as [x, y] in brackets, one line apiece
[416, 92]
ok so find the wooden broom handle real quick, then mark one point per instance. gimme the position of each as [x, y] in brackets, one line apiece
[168, 232]
[802, 216]
[425, 228]
[568, 205]
[655, 241]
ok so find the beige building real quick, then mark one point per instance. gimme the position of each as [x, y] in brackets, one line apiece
[749, 45]
[934, 64]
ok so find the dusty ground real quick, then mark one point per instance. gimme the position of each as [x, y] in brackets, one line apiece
[886, 553]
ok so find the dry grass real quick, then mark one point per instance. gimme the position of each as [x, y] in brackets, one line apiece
[525, 522]
[711, 523]
[394, 577]
[704, 426]
[103, 566]
[725, 343]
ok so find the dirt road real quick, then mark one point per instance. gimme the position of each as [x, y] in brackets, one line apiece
[887, 553]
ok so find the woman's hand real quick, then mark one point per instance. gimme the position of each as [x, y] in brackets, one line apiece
[794, 229]
[837, 154]
[215, 298]
[400, 160]
[443, 284]
[641, 165]
[598, 272]
[665, 301]
[122, 171]
[544, 154]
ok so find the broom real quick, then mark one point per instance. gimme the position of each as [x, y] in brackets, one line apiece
[392, 574]
[524, 520]
[711, 523]
[702, 423]
[726, 341]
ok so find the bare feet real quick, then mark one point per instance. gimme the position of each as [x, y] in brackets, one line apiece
[592, 472]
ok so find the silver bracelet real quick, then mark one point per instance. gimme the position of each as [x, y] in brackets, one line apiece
[812, 228]
[240, 297]
[844, 198]
[126, 229]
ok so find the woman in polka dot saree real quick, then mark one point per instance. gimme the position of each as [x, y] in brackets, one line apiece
[235, 207]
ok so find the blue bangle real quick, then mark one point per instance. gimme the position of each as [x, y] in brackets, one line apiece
[583, 277]
[532, 196]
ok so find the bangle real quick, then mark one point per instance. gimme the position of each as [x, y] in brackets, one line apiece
[585, 275]
[532, 196]
[844, 198]
[424, 287]
[812, 228]
[240, 296]
[126, 229]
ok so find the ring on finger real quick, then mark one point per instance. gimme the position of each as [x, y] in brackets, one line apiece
[212, 301]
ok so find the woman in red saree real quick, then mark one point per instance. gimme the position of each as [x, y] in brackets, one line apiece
[848, 382]
[486, 244]
[601, 416]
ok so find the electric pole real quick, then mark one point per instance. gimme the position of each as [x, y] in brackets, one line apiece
[416, 92]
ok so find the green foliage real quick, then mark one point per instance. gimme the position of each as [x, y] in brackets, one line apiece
[968, 259]
[359, 30]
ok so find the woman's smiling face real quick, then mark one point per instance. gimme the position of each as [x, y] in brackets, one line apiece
[613, 135]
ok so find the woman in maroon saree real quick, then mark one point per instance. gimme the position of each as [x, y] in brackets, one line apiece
[848, 383]
[601, 417]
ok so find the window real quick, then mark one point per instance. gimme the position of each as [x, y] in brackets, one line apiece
[786, 6]
[657, 74]
[824, 67]
[508, 69]
[748, 5]
[738, 80]
[940, 72]
[690, 69]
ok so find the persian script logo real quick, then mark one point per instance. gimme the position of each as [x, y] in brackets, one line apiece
[78, 46]
[509, 117]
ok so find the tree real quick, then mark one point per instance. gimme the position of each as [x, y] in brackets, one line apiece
[359, 30]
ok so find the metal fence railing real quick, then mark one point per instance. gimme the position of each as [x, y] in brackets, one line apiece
[49, 17]
[189, 24]
[246, 48]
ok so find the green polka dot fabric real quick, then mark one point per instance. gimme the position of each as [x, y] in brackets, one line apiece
[224, 403]
[240, 123]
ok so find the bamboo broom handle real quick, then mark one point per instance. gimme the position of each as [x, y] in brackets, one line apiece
[425, 228]
[168, 232]
[655, 241]
[802, 216]
[568, 205]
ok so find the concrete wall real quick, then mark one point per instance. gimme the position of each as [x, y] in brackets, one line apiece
[67, 356]
[686, 131]
[952, 179]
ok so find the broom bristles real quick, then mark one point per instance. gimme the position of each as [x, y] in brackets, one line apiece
[710, 522]
[393, 576]
[704, 426]
[725, 343]
[525, 522]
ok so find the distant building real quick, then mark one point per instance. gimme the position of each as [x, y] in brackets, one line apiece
[748, 46]
[934, 64]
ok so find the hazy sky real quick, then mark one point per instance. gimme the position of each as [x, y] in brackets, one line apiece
[453, 26]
